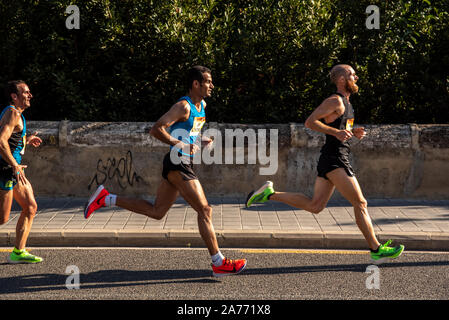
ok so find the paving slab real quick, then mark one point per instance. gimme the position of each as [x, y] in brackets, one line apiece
[418, 224]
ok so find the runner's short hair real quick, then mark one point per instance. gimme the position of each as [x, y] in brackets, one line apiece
[196, 73]
[338, 71]
[12, 87]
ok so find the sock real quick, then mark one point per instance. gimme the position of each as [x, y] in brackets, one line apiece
[217, 259]
[375, 251]
[110, 200]
[270, 195]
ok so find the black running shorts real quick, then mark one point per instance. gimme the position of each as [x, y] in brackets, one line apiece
[186, 170]
[7, 178]
[328, 163]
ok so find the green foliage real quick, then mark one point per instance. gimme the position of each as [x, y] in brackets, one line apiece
[270, 59]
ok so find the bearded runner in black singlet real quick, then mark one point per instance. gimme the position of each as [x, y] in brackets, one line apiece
[335, 153]
[335, 118]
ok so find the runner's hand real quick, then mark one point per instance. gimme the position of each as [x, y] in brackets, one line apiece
[189, 148]
[19, 173]
[193, 148]
[34, 140]
[343, 135]
[359, 133]
[207, 142]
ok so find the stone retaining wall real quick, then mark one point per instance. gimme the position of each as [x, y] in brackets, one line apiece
[393, 161]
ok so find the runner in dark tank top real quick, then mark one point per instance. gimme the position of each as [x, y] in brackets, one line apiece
[345, 122]
[335, 118]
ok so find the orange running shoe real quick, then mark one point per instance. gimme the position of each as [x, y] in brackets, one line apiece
[229, 267]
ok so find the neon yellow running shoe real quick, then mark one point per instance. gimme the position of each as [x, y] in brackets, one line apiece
[385, 252]
[260, 195]
[23, 256]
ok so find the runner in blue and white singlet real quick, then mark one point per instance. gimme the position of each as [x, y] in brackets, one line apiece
[180, 128]
[189, 130]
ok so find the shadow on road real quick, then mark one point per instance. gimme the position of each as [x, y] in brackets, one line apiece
[361, 267]
[103, 279]
[126, 278]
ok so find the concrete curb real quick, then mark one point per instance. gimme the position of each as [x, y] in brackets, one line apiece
[227, 239]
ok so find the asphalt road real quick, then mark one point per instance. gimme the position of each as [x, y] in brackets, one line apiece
[185, 274]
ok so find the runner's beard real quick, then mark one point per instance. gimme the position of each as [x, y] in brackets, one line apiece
[352, 87]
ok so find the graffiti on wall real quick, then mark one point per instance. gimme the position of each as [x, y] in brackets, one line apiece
[115, 170]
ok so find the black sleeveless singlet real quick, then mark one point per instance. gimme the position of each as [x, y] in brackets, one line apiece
[333, 146]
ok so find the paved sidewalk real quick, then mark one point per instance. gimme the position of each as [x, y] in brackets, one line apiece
[419, 224]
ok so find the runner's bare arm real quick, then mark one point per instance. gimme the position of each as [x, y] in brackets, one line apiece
[8, 123]
[178, 112]
[328, 109]
[205, 141]
[10, 120]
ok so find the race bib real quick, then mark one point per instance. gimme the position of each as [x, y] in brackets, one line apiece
[350, 124]
[24, 141]
[198, 123]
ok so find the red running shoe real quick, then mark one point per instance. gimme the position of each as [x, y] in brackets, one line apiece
[96, 201]
[229, 267]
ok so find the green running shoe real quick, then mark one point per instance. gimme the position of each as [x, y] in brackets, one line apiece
[385, 252]
[260, 195]
[23, 256]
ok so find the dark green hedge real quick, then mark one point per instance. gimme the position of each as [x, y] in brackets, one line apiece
[270, 59]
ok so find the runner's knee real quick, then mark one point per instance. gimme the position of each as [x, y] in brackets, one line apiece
[30, 210]
[317, 207]
[361, 204]
[205, 212]
[160, 213]
[361, 210]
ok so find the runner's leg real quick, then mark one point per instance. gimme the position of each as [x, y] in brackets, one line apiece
[165, 197]
[24, 195]
[193, 193]
[6, 197]
[350, 189]
[323, 190]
